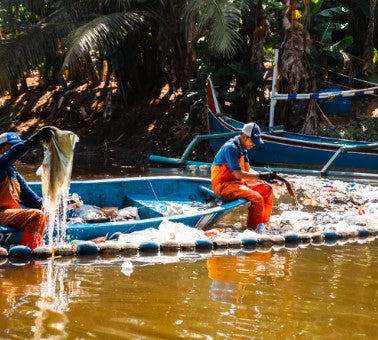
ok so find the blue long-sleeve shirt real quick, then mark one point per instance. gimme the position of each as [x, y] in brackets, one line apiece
[229, 154]
[28, 197]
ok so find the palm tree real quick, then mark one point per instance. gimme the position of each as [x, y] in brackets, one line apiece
[81, 31]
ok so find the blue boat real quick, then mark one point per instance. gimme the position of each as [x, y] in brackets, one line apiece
[289, 149]
[151, 195]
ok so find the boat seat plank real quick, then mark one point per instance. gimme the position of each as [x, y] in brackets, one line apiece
[144, 209]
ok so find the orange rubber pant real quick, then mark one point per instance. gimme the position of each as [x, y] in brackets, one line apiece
[259, 194]
[31, 221]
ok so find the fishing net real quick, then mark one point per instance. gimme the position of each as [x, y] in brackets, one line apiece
[55, 174]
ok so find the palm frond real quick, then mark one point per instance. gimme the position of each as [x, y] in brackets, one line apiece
[28, 50]
[80, 9]
[100, 36]
[218, 20]
[119, 5]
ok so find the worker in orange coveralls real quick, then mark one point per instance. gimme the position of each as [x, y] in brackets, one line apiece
[15, 191]
[232, 177]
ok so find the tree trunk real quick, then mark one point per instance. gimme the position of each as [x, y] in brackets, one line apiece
[23, 84]
[367, 66]
[14, 89]
[62, 82]
[294, 67]
[109, 71]
[92, 76]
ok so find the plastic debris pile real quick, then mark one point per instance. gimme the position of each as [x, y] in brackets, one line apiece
[325, 205]
[78, 212]
[92, 214]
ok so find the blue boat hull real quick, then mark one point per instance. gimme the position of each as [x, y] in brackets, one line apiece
[150, 195]
[282, 148]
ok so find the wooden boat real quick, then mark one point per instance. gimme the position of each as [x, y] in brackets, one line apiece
[289, 149]
[151, 195]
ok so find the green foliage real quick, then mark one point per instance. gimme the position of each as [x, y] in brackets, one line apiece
[365, 128]
[101, 35]
[325, 23]
[219, 22]
[232, 83]
[146, 42]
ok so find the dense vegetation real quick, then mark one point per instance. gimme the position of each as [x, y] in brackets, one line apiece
[134, 48]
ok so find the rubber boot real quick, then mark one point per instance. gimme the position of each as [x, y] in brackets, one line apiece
[31, 240]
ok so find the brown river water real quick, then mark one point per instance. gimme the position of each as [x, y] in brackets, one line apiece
[320, 292]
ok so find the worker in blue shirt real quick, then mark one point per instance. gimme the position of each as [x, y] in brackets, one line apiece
[15, 191]
[232, 177]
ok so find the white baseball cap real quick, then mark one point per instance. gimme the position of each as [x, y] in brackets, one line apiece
[253, 131]
[10, 138]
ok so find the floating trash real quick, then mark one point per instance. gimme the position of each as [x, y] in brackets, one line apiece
[127, 268]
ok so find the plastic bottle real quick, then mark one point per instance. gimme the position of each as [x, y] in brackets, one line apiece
[350, 219]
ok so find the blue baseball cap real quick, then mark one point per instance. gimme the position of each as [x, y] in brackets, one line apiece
[253, 131]
[10, 138]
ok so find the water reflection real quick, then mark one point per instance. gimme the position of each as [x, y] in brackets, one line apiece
[44, 285]
[50, 318]
[317, 292]
[236, 279]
